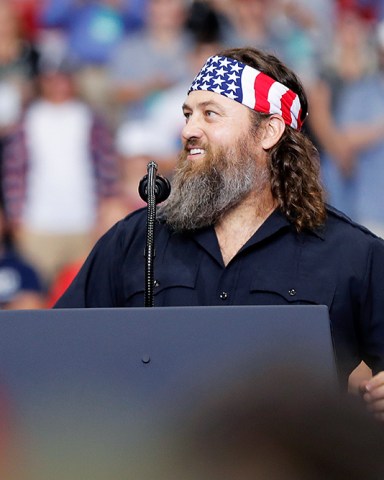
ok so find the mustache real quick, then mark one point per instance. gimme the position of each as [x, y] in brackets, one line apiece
[193, 143]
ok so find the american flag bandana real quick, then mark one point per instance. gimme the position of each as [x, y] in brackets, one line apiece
[248, 86]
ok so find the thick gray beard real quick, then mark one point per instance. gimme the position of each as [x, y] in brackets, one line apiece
[201, 194]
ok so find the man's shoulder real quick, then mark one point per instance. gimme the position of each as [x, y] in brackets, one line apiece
[127, 231]
[136, 222]
[136, 215]
[342, 222]
[133, 221]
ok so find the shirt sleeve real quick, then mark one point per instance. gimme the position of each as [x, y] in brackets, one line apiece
[372, 318]
[104, 158]
[98, 282]
[14, 172]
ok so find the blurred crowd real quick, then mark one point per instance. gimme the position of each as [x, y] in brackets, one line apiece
[91, 90]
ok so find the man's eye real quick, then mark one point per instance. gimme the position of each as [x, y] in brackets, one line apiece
[186, 115]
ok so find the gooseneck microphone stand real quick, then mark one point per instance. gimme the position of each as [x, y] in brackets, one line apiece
[153, 189]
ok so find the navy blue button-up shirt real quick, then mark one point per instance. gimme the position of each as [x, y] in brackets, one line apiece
[341, 266]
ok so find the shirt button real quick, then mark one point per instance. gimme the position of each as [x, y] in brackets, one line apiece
[223, 295]
[292, 292]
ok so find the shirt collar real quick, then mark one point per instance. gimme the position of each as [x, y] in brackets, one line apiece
[206, 237]
[276, 222]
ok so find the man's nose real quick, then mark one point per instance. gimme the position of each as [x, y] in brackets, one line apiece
[192, 129]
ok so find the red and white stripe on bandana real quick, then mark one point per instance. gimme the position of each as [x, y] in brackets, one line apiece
[250, 87]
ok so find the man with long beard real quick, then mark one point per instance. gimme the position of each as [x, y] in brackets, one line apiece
[203, 192]
[246, 222]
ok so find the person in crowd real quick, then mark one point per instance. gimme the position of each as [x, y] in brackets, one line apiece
[140, 141]
[152, 59]
[60, 172]
[29, 13]
[348, 120]
[18, 65]
[18, 68]
[88, 32]
[246, 221]
[287, 28]
[21, 286]
[92, 28]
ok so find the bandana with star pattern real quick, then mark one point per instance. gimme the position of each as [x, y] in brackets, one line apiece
[246, 85]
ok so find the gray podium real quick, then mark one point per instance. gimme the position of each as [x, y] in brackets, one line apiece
[98, 393]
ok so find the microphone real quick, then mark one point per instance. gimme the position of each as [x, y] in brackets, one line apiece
[153, 189]
[162, 188]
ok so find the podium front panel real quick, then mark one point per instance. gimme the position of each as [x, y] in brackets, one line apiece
[98, 393]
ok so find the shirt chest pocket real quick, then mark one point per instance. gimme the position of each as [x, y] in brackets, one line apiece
[285, 288]
[173, 285]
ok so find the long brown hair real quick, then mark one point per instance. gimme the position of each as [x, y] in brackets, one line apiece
[294, 160]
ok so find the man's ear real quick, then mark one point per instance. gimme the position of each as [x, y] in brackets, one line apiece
[273, 130]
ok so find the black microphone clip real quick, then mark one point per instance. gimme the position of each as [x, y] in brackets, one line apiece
[162, 188]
